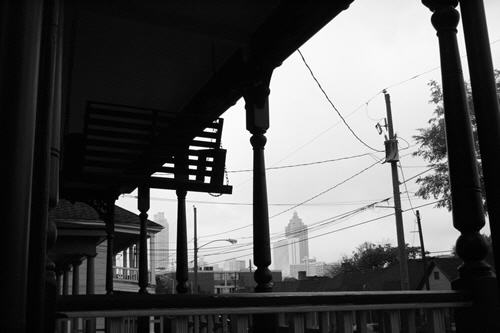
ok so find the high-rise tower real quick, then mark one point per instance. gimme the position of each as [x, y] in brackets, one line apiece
[161, 242]
[297, 229]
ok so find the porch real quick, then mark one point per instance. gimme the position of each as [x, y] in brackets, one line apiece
[391, 312]
[81, 125]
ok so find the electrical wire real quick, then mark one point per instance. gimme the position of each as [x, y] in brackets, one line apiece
[333, 105]
[304, 164]
[328, 189]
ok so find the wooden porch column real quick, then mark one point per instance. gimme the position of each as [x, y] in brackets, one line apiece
[257, 123]
[125, 254]
[75, 285]
[20, 36]
[181, 273]
[40, 307]
[181, 174]
[143, 206]
[65, 282]
[59, 276]
[468, 216]
[90, 324]
[131, 257]
[90, 285]
[486, 109]
[110, 235]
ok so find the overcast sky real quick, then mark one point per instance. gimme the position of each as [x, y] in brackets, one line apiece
[371, 46]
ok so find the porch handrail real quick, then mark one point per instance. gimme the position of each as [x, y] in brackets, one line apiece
[122, 305]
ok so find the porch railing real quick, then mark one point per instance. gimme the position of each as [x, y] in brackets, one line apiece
[339, 312]
[128, 274]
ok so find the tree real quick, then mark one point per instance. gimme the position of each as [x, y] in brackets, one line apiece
[369, 256]
[432, 148]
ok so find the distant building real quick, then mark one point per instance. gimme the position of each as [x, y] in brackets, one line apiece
[286, 252]
[294, 249]
[297, 229]
[216, 282]
[235, 265]
[161, 245]
[311, 267]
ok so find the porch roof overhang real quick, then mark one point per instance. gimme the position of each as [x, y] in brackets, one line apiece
[184, 63]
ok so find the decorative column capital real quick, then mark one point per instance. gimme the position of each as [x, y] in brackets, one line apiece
[445, 16]
[256, 95]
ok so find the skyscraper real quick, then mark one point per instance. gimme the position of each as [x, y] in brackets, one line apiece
[297, 229]
[161, 242]
[294, 249]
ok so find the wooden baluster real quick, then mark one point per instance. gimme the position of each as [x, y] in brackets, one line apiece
[180, 324]
[210, 323]
[282, 322]
[324, 322]
[297, 322]
[348, 322]
[362, 321]
[225, 327]
[410, 321]
[438, 321]
[395, 321]
[468, 216]
[311, 320]
[333, 321]
[239, 323]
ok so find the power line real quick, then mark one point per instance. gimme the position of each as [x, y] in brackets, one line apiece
[334, 231]
[328, 189]
[333, 105]
[303, 164]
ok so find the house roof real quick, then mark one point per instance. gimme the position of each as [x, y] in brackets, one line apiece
[383, 279]
[79, 211]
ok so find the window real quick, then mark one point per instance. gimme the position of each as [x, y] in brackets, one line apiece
[436, 275]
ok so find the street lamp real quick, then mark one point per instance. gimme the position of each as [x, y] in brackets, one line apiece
[196, 248]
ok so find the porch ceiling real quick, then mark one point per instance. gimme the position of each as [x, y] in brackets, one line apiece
[188, 61]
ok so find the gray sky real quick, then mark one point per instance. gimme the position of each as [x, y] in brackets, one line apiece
[372, 45]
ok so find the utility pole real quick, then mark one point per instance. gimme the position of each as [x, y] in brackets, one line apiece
[392, 156]
[422, 248]
[195, 284]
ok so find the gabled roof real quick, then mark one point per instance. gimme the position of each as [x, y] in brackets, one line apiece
[375, 280]
[67, 211]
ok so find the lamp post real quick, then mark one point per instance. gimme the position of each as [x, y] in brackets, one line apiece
[196, 248]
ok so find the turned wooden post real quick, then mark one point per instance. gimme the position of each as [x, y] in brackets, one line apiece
[20, 36]
[486, 109]
[181, 174]
[468, 214]
[143, 206]
[110, 236]
[75, 283]
[65, 282]
[257, 123]
[181, 273]
[90, 277]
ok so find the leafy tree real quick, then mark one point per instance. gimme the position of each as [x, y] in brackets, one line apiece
[433, 147]
[369, 256]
